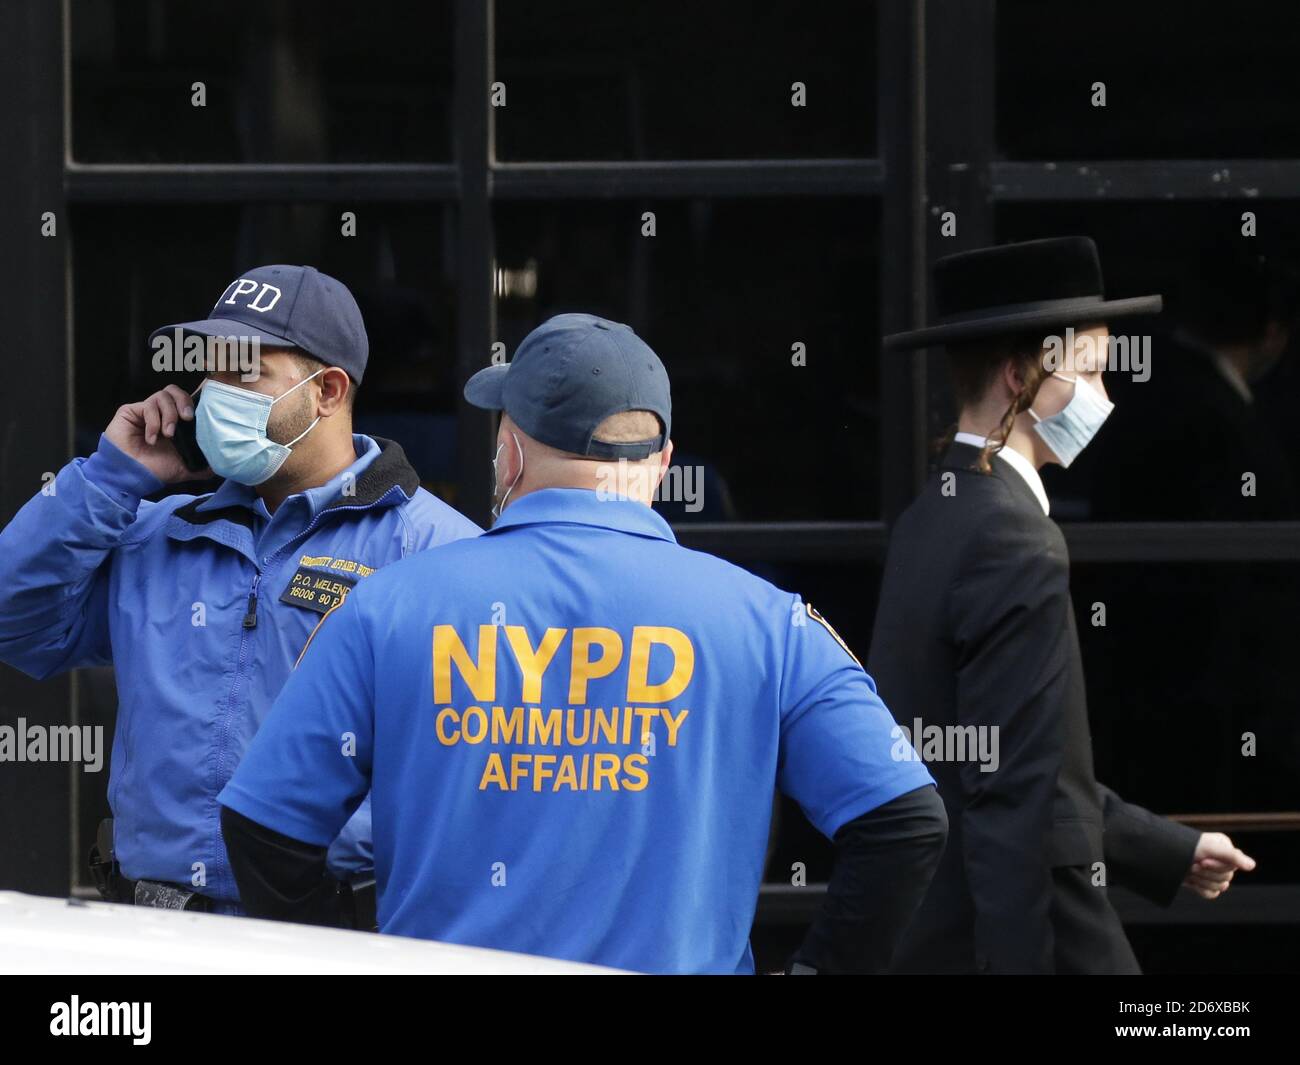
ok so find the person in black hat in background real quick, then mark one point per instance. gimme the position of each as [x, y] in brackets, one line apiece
[1232, 323]
[976, 630]
[1207, 410]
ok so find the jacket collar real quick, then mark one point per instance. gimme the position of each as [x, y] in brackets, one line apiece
[386, 479]
[961, 456]
[582, 506]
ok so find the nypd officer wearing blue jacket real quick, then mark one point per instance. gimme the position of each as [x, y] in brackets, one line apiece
[204, 603]
[572, 725]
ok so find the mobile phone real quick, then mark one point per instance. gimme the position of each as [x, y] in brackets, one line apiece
[187, 446]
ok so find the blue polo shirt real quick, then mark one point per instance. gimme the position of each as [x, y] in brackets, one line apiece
[571, 727]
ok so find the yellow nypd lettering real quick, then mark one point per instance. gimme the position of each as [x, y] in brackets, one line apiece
[473, 725]
[480, 675]
[507, 729]
[635, 766]
[673, 724]
[584, 668]
[447, 713]
[607, 724]
[544, 728]
[528, 746]
[644, 637]
[557, 728]
[533, 663]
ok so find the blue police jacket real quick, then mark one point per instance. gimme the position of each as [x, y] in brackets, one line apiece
[203, 604]
[573, 727]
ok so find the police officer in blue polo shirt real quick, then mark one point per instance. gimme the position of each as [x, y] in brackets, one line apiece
[203, 603]
[572, 725]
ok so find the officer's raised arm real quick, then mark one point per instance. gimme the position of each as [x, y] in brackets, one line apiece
[861, 784]
[203, 602]
[53, 606]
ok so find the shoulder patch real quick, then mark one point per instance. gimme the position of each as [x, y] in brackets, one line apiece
[816, 616]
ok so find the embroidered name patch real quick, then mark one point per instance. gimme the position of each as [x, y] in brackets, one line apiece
[313, 590]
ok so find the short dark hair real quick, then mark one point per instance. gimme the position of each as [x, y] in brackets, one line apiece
[309, 364]
[973, 365]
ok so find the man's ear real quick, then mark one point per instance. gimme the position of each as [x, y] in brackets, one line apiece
[665, 461]
[510, 464]
[334, 388]
[1013, 377]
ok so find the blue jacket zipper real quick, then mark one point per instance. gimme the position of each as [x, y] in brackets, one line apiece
[250, 622]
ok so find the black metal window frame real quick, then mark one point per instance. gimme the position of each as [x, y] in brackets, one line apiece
[937, 148]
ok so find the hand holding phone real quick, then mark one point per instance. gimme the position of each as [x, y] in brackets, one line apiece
[159, 434]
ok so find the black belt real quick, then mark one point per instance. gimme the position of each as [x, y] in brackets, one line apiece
[357, 901]
[115, 887]
[161, 895]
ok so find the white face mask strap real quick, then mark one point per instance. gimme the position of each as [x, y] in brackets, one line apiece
[1057, 374]
[303, 433]
[297, 386]
[208, 381]
[496, 510]
[519, 476]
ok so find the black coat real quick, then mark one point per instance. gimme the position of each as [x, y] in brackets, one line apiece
[975, 627]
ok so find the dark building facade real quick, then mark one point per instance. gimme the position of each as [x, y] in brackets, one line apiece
[758, 188]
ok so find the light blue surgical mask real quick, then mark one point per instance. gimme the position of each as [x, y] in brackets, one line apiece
[1069, 430]
[230, 425]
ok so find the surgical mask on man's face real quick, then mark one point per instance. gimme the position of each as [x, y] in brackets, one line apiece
[1069, 430]
[230, 425]
[496, 480]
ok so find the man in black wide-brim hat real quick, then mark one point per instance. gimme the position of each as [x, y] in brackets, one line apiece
[976, 630]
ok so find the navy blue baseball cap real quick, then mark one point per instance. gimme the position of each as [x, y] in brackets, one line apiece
[289, 306]
[571, 373]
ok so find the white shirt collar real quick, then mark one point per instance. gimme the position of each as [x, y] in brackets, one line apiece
[1016, 461]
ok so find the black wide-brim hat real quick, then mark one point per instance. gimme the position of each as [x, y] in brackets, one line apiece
[1015, 288]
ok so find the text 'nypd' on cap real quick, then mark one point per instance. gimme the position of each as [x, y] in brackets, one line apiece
[289, 306]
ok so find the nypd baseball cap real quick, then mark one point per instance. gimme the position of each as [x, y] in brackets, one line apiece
[289, 306]
[571, 373]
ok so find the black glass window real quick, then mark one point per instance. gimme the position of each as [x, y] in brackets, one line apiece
[764, 313]
[586, 79]
[1191, 685]
[1193, 79]
[286, 81]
